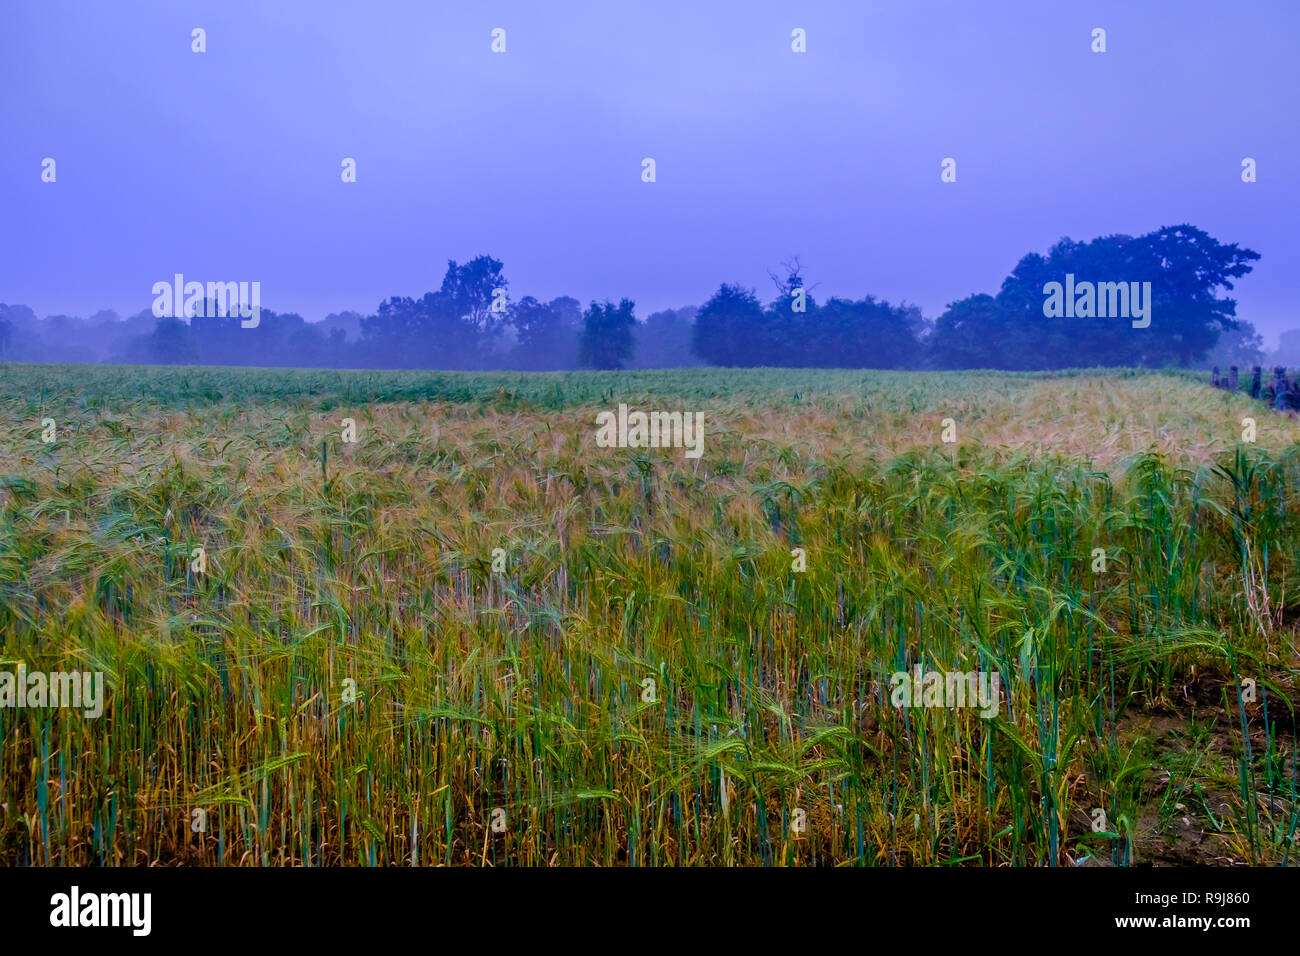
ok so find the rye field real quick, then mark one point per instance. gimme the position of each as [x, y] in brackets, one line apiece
[474, 637]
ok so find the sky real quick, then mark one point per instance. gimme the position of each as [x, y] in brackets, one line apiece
[226, 165]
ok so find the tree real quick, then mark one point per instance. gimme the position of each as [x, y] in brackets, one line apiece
[663, 340]
[24, 341]
[171, 344]
[785, 336]
[546, 333]
[6, 335]
[1242, 347]
[1186, 269]
[455, 327]
[1288, 350]
[472, 290]
[606, 341]
[970, 334]
[221, 340]
[862, 334]
[727, 327]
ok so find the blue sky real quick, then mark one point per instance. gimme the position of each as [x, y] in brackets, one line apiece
[226, 165]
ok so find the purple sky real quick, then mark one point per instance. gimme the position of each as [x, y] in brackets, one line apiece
[225, 165]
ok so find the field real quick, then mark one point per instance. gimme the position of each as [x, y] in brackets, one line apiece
[348, 674]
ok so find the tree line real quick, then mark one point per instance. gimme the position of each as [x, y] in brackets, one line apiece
[471, 323]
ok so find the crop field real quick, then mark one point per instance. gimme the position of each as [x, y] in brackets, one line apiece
[474, 636]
